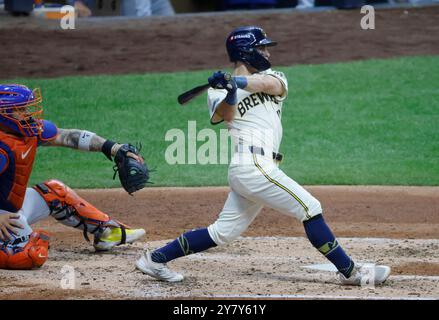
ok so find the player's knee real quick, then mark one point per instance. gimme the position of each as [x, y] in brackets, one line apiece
[33, 255]
[221, 235]
[314, 208]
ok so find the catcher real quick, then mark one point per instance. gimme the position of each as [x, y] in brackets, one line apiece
[21, 131]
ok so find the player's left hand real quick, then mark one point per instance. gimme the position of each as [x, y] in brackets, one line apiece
[222, 80]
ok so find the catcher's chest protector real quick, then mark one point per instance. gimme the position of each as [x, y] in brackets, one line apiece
[13, 181]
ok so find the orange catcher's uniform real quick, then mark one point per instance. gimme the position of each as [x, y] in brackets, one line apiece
[21, 132]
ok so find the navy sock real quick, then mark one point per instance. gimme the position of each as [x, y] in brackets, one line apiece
[189, 242]
[323, 240]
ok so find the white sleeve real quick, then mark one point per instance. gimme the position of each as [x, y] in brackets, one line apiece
[214, 98]
[281, 77]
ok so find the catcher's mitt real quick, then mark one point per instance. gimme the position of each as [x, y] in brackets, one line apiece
[133, 175]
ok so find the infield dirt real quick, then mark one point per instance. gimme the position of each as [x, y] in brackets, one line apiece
[397, 226]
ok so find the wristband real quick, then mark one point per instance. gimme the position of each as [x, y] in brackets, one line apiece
[85, 139]
[241, 82]
[106, 148]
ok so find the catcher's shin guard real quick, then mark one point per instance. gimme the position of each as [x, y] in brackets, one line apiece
[33, 255]
[71, 210]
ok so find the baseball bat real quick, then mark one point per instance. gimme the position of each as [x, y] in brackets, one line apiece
[187, 96]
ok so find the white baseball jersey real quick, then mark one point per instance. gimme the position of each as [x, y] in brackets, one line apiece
[257, 119]
[257, 181]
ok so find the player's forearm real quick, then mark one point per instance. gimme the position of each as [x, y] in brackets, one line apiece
[226, 111]
[263, 83]
[81, 140]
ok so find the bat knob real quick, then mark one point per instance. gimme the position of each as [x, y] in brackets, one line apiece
[227, 76]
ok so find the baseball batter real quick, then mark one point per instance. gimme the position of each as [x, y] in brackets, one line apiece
[250, 103]
[21, 131]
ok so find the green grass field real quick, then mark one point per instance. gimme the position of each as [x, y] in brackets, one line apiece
[368, 122]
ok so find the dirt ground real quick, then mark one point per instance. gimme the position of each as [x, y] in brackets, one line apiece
[37, 48]
[398, 226]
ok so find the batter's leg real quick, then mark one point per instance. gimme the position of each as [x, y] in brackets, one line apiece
[237, 214]
[269, 185]
[234, 219]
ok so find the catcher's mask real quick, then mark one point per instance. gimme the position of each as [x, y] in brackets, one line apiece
[242, 44]
[21, 109]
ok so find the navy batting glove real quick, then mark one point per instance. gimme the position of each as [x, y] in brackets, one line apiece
[230, 85]
[217, 80]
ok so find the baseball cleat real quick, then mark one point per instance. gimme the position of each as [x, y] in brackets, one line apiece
[112, 237]
[363, 275]
[157, 270]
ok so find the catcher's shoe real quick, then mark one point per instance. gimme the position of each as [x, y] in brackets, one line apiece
[363, 275]
[112, 237]
[157, 270]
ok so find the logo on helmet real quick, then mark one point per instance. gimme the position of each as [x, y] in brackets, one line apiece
[243, 36]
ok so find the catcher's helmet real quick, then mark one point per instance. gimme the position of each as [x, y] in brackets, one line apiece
[20, 109]
[242, 44]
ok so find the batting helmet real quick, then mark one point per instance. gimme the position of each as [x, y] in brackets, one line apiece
[242, 44]
[20, 109]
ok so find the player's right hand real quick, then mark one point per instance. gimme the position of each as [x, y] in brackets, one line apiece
[216, 81]
[222, 80]
[9, 226]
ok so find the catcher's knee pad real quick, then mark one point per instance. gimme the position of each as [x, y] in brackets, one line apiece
[33, 255]
[70, 209]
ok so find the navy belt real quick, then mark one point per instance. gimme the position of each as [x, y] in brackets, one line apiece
[259, 150]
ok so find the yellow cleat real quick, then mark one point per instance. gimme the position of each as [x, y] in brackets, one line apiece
[112, 237]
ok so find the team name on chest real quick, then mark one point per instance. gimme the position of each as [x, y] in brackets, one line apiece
[253, 100]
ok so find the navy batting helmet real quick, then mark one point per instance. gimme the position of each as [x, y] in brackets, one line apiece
[242, 44]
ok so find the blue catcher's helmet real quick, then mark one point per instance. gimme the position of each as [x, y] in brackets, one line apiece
[242, 44]
[20, 109]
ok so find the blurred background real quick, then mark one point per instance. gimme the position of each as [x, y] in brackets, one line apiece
[169, 7]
